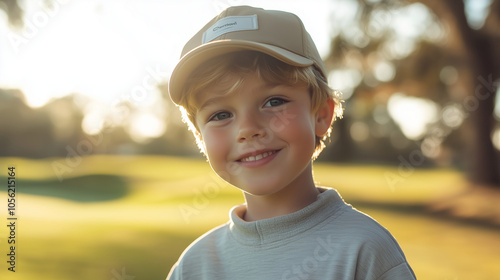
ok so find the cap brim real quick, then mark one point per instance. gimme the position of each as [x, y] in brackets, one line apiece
[190, 61]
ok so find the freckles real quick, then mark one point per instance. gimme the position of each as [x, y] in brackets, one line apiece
[295, 122]
[283, 120]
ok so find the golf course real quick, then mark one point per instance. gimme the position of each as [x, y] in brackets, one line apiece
[130, 217]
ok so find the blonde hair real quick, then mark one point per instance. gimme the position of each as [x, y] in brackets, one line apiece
[237, 66]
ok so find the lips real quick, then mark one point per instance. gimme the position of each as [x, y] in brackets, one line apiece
[255, 156]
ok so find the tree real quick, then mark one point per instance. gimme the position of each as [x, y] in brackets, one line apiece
[473, 54]
[480, 50]
[13, 11]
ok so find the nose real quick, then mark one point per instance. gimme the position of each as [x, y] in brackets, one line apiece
[250, 128]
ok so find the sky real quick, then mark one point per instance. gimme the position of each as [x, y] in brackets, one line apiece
[106, 49]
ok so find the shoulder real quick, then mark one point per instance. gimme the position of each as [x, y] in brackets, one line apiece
[376, 249]
[346, 222]
[198, 250]
[207, 242]
[360, 225]
[353, 230]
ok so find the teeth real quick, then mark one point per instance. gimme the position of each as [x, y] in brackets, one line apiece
[257, 157]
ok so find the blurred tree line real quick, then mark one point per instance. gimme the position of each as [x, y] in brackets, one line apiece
[458, 70]
[451, 66]
[55, 130]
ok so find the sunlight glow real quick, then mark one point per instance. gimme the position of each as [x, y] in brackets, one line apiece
[384, 71]
[93, 121]
[345, 80]
[496, 139]
[102, 48]
[145, 126]
[448, 75]
[412, 20]
[412, 114]
[476, 12]
[453, 116]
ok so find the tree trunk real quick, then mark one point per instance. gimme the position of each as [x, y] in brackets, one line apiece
[477, 51]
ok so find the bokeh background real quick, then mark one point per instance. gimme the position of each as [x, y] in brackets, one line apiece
[110, 184]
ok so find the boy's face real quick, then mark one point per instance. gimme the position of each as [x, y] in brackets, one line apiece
[261, 137]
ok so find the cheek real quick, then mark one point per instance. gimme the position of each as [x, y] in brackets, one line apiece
[218, 147]
[294, 124]
[216, 143]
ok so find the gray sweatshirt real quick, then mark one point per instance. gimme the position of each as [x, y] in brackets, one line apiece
[326, 240]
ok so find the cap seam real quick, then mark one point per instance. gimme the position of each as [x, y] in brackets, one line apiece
[302, 30]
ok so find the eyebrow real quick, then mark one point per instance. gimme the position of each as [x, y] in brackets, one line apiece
[210, 101]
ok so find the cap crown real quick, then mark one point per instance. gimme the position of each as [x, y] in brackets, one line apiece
[276, 33]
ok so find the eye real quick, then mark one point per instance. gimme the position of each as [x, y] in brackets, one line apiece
[219, 116]
[275, 101]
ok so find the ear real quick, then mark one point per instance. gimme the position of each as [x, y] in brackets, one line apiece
[324, 117]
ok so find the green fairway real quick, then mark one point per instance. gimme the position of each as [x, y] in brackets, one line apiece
[130, 217]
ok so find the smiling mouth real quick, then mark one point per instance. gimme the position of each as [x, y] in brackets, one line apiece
[257, 157]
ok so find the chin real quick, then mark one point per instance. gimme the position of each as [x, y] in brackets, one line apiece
[260, 190]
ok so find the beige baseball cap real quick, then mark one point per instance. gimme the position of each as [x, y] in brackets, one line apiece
[276, 33]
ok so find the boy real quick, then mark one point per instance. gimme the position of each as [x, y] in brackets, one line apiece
[253, 90]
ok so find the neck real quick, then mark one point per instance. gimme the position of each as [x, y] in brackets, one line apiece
[297, 195]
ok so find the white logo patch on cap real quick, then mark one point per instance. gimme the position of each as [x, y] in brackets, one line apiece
[230, 24]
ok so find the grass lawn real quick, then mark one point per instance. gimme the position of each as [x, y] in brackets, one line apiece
[127, 218]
